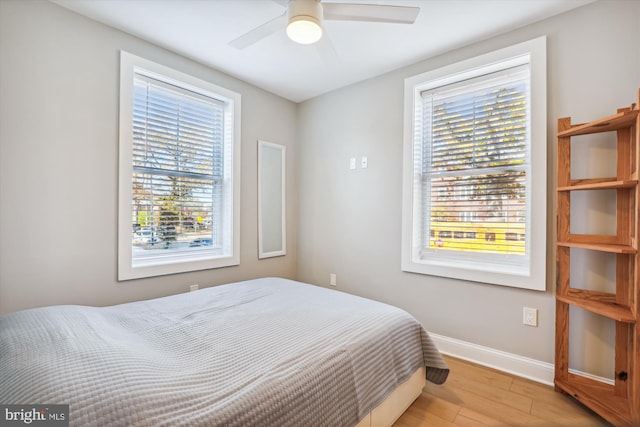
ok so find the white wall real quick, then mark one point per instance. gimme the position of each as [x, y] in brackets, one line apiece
[350, 221]
[59, 75]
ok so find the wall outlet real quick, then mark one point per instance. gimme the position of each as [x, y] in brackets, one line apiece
[352, 163]
[332, 279]
[530, 316]
[194, 287]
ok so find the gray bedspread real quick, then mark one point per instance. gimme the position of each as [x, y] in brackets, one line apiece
[265, 352]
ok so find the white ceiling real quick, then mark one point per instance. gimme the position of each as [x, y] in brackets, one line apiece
[202, 29]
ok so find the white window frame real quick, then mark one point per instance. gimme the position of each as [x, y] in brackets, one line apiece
[533, 277]
[189, 260]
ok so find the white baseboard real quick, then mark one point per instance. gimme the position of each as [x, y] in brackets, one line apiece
[515, 364]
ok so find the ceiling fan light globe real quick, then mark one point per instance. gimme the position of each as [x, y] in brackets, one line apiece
[304, 29]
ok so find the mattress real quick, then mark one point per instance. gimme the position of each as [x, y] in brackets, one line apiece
[264, 352]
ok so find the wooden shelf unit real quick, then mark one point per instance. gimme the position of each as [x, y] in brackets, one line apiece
[619, 403]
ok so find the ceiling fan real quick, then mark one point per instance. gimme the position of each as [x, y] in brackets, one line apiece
[303, 19]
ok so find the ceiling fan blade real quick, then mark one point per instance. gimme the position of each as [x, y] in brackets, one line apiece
[258, 33]
[370, 13]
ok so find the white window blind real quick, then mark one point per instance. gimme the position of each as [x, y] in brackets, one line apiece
[177, 165]
[475, 166]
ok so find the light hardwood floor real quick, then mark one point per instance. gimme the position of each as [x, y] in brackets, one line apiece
[477, 396]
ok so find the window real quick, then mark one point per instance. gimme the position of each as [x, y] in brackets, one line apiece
[179, 172]
[475, 165]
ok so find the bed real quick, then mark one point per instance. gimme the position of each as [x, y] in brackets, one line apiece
[264, 352]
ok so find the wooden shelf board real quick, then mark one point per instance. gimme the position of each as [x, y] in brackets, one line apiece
[605, 297]
[611, 123]
[603, 247]
[600, 305]
[600, 398]
[598, 184]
